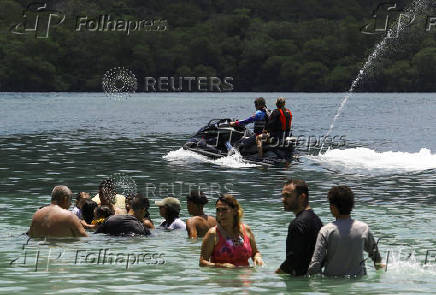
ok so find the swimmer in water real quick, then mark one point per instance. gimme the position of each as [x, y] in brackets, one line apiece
[148, 223]
[199, 224]
[169, 208]
[55, 220]
[80, 199]
[230, 243]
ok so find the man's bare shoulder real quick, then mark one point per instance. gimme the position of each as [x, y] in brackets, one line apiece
[54, 211]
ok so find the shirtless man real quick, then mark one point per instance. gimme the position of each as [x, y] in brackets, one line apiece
[55, 220]
[199, 224]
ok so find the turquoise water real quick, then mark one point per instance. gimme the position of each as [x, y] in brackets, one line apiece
[388, 158]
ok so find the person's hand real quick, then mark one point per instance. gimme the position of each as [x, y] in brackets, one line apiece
[232, 124]
[279, 271]
[257, 260]
[379, 265]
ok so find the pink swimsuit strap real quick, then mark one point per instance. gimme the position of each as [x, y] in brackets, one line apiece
[226, 252]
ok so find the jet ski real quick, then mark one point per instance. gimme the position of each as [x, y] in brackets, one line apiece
[218, 139]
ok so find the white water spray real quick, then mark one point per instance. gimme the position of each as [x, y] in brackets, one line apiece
[417, 7]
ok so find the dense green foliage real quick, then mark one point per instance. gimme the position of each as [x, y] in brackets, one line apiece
[277, 45]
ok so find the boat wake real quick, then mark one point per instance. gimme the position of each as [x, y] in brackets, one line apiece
[364, 159]
[183, 156]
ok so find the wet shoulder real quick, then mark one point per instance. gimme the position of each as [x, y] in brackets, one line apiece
[360, 225]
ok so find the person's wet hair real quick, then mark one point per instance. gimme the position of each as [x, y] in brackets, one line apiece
[88, 208]
[172, 213]
[103, 212]
[301, 187]
[280, 102]
[139, 202]
[197, 197]
[260, 102]
[342, 198]
[231, 201]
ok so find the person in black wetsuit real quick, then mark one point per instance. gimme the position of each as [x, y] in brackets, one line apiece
[280, 121]
[302, 231]
[129, 224]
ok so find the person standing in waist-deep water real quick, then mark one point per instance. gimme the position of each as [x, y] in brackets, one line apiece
[199, 224]
[55, 220]
[230, 243]
[127, 224]
[302, 231]
[80, 199]
[148, 223]
[108, 196]
[340, 244]
[169, 208]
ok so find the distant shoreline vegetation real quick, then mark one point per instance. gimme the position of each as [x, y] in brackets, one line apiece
[273, 46]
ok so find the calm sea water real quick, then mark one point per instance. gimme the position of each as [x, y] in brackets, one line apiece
[387, 154]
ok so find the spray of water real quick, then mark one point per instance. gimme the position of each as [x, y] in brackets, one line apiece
[416, 8]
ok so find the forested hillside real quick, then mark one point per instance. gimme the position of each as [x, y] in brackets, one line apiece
[277, 45]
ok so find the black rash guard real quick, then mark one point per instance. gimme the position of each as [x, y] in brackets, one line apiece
[117, 225]
[300, 242]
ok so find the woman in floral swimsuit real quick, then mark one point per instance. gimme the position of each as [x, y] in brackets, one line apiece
[230, 243]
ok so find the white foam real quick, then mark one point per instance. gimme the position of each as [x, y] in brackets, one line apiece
[367, 159]
[183, 156]
[398, 264]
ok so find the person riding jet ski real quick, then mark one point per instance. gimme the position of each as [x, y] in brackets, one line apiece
[260, 119]
[278, 126]
[280, 121]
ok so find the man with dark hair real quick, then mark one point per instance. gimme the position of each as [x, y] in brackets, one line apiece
[55, 220]
[128, 224]
[302, 231]
[340, 244]
[199, 224]
[260, 119]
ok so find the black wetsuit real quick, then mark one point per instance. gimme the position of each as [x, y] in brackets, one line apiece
[117, 225]
[274, 125]
[300, 242]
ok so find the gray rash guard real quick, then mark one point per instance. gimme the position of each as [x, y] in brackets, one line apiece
[339, 248]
